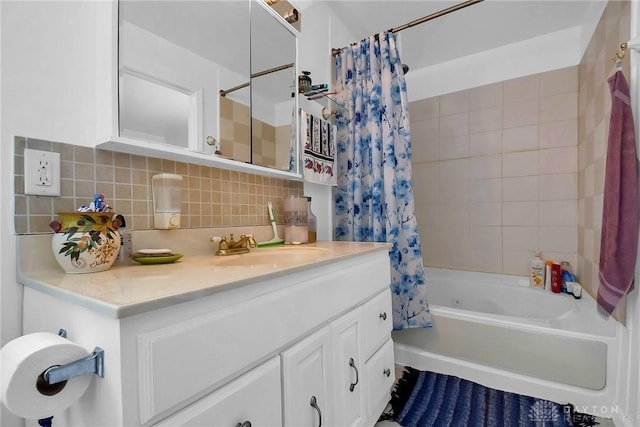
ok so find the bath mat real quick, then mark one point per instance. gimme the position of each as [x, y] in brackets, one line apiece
[429, 399]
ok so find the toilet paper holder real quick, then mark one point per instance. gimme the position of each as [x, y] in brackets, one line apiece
[91, 364]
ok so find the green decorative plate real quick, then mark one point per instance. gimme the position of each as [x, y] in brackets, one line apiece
[157, 259]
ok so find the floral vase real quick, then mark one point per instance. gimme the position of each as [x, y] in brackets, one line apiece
[85, 242]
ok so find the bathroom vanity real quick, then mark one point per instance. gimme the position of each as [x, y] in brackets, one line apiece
[273, 339]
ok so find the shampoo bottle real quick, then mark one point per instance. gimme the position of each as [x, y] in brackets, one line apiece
[547, 275]
[556, 278]
[537, 272]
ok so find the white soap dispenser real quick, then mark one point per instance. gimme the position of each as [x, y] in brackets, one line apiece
[167, 198]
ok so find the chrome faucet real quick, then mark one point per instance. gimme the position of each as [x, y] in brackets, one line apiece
[232, 247]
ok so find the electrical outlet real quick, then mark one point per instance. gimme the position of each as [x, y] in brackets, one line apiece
[41, 173]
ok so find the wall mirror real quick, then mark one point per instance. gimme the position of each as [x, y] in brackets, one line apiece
[198, 75]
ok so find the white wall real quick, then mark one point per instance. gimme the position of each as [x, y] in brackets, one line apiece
[321, 31]
[48, 92]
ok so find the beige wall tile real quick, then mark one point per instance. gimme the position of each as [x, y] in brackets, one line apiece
[521, 188]
[560, 81]
[424, 109]
[559, 107]
[558, 187]
[485, 96]
[486, 238]
[485, 167]
[486, 214]
[454, 103]
[520, 213]
[520, 164]
[453, 214]
[558, 213]
[481, 144]
[521, 113]
[454, 192]
[454, 170]
[517, 262]
[520, 239]
[524, 138]
[558, 160]
[521, 89]
[485, 260]
[559, 239]
[485, 119]
[454, 147]
[559, 134]
[454, 125]
[485, 190]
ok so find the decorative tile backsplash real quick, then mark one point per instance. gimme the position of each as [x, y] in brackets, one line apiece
[211, 197]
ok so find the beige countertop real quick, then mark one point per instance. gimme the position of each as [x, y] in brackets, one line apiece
[133, 289]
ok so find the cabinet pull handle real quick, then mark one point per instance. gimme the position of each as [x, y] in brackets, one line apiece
[387, 372]
[314, 405]
[353, 365]
[383, 315]
[244, 424]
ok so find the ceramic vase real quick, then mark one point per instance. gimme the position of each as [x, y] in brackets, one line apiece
[85, 242]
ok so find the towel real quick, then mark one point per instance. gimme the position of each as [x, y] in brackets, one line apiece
[621, 211]
[319, 142]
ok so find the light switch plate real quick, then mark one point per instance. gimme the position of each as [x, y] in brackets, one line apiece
[41, 173]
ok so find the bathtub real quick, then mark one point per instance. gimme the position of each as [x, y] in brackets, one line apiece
[496, 330]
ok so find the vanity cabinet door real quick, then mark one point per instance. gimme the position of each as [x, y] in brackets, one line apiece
[378, 322]
[254, 399]
[306, 369]
[379, 377]
[348, 392]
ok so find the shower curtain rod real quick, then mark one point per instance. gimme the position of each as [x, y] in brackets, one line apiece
[454, 8]
[254, 75]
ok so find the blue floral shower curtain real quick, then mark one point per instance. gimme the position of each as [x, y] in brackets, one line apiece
[374, 196]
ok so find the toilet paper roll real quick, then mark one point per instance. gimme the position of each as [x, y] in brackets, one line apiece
[24, 391]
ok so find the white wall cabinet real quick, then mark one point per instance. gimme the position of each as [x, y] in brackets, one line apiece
[253, 355]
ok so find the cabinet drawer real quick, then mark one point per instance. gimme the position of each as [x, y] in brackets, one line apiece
[254, 397]
[378, 322]
[380, 375]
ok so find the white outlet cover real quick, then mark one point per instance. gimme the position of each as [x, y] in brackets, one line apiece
[32, 184]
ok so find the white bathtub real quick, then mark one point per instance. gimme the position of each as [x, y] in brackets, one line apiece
[495, 330]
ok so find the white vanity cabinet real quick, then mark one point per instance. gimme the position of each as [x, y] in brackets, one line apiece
[328, 377]
[252, 354]
[252, 400]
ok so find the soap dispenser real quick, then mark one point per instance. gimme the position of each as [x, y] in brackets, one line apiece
[167, 198]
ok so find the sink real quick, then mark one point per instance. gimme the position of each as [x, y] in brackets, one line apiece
[281, 255]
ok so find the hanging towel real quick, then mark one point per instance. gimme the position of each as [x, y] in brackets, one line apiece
[318, 137]
[621, 211]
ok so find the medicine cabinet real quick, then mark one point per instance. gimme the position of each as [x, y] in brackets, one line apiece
[206, 82]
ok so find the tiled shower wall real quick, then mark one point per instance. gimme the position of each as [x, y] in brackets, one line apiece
[595, 109]
[211, 197]
[496, 173]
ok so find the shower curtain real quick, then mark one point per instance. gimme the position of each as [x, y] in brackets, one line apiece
[374, 196]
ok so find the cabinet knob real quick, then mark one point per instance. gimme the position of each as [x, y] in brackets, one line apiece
[352, 386]
[383, 315]
[314, 405]
[244, 424]
[387, 372]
